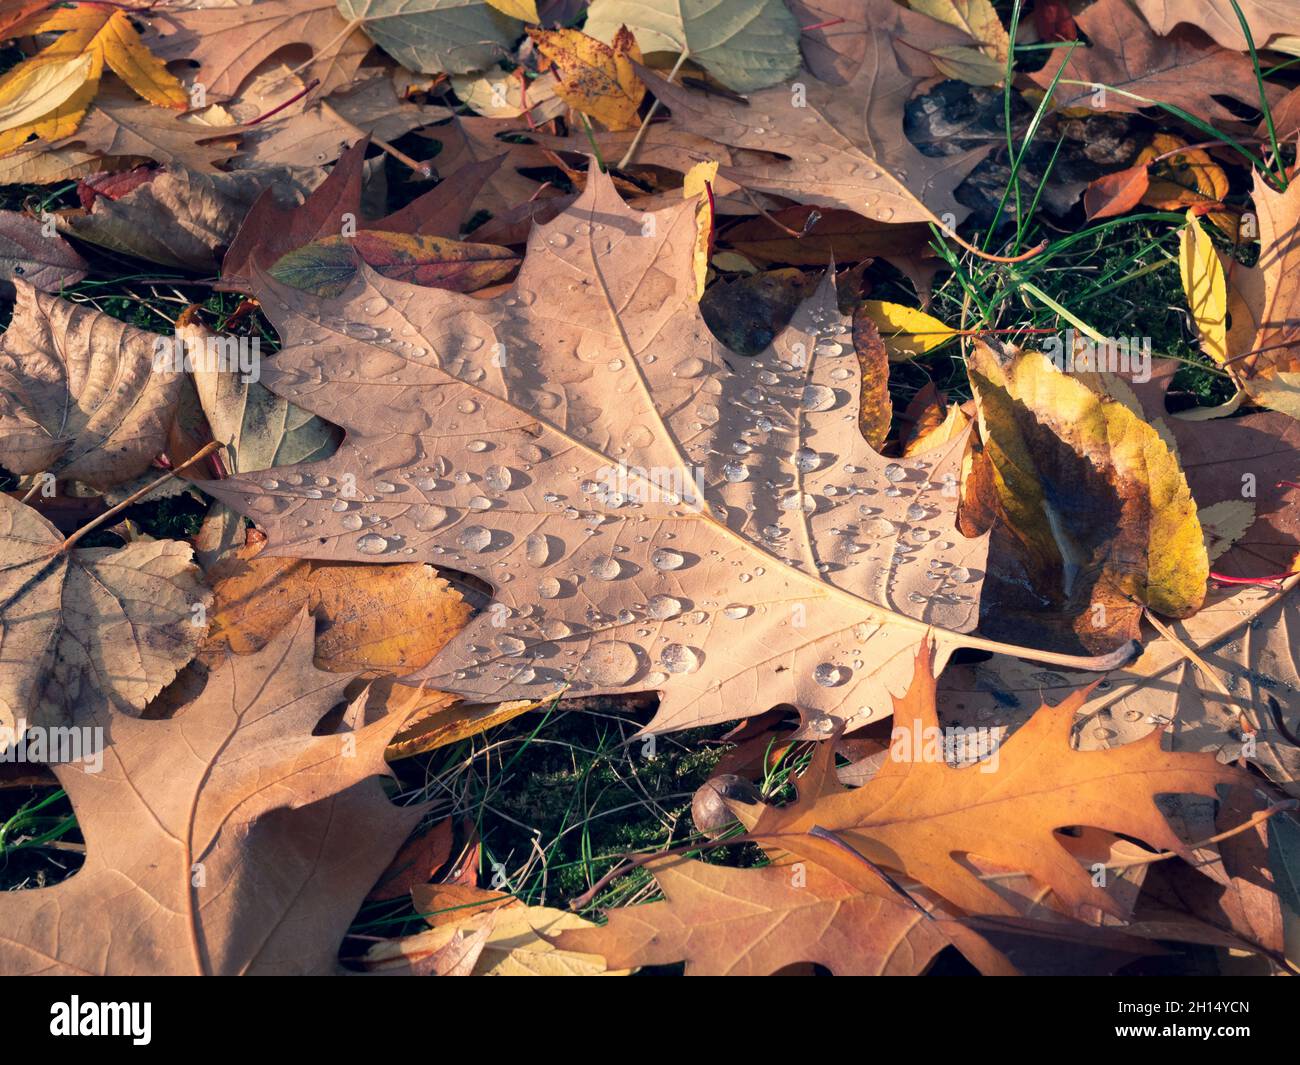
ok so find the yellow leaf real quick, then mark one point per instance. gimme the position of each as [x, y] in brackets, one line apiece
[137, 66]
[595, 78]
[523, 10]
[696, 183]
[1203, 282]
[90, 37]
[976, 17]
[1039, 424]
[39, 88]
[906, 331]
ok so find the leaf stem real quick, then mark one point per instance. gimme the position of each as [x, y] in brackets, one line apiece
[202, 453]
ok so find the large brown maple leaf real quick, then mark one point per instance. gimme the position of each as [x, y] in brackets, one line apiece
[652, 511]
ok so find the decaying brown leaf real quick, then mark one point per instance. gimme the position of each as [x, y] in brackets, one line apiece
[80, 396]
[89, 627]
[1181, 69]
[44, 261]
[228, 839]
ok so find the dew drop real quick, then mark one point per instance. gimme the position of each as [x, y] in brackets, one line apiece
[665, 559]
[475, 538]
[828, 675]
[372, 544]
[663, 607]
[610, 663]
[678, 658]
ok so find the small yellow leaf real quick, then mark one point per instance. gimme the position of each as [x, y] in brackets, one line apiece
[1203, 282]
[39, 88]
[696, 183]
[906, 331]
[595, 78]
[137, 66]
[523, 10]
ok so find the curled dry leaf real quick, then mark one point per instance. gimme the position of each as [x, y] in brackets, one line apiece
[89, 628]
[45, 262]
[79, 394]
[1091, 494]
[227, 838]
[179, 217]
[594, 483]
[519, 942]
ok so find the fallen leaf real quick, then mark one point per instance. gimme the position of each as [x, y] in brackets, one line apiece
[230, 43]
[745, 44]
[519, 944]
[907, 332]
[177, 217]
[697, 186]
[1178, 68]
[119, 126]
[506, 501]
[1245, 459]
[415, 864]
[386, 618]
[1093, 495]
[502, 95]
[89, 627]
[1266, 295]
[844, 142]
[43, 260]
[432, 36]
[92, 36]
[595, 78]
[271, 230]
[920, 816]
[316, 136]
[80, 396]
[1266, 18]
[752, 922]
[326, 266]
[228, 838]
[1117, 193]
[1203, 282]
